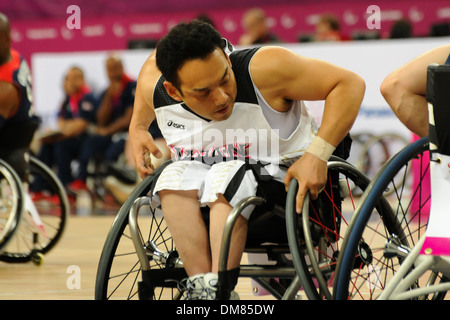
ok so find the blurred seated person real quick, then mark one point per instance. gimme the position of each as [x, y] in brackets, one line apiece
[75, 115]
[256, 29]
[107, 138]
[17, 122]
[328, 29]
[401, 29]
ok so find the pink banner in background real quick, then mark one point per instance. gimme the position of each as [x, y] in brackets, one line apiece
[287, 21]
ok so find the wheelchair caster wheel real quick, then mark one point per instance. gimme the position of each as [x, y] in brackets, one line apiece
[37, 258]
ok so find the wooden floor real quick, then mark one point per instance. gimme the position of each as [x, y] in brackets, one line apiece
[80, 246]
[77, 253]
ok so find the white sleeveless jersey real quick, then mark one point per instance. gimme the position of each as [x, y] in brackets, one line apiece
[245, 135]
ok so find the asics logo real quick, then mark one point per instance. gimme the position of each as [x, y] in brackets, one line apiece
[171, 123]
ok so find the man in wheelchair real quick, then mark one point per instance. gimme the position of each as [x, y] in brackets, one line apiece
[237, 126]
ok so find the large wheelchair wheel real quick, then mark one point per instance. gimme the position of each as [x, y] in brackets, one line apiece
[121, 273]
[316, 235]
[42, 223]
[365, 266]
[11, 202]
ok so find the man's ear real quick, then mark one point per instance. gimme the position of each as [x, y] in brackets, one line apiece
[172, 91]
[229, 60]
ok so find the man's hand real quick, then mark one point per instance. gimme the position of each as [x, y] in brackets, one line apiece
[311, 174]
[143, 147]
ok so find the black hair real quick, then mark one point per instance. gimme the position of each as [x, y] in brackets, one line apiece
[186, 41]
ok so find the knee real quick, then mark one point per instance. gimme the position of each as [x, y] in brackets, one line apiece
[222, 208]
[178, 193]
[219, 201]
[390, 87]
[171, 200]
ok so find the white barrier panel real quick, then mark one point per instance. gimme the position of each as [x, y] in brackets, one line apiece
[372, 60]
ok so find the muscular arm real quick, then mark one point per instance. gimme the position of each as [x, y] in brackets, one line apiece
[9, 99]
[293, 77]
[404, 90]
[141, 141]
[289, 76]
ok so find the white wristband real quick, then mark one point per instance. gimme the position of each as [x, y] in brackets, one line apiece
[321, 149]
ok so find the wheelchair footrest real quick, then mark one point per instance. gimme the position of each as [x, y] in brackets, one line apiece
[167, 278]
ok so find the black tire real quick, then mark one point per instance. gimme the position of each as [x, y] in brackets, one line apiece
[11, 203]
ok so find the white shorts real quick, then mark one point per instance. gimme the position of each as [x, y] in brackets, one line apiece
[231, 179]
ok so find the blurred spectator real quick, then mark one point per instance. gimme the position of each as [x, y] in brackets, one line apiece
[77, 112]
[401, 29]
[256, 29]
[328, 29]
[17, 123]
[107, 138]
[440, 30]
[205, 18]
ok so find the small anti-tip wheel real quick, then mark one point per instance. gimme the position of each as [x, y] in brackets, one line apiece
[37, 258]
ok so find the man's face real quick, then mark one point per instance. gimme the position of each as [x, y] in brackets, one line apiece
[208, 86]
[73, 81]
[114, 70]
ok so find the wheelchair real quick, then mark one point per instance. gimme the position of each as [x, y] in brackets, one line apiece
[397, 268]
[29, 228]
[139, 258]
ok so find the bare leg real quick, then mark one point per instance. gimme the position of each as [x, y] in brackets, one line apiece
[182, 214]
[220, 211]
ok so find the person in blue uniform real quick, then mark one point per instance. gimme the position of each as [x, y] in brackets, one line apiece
[74, 117]
[108, 136]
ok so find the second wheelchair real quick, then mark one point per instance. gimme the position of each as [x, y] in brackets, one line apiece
[30, 227]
